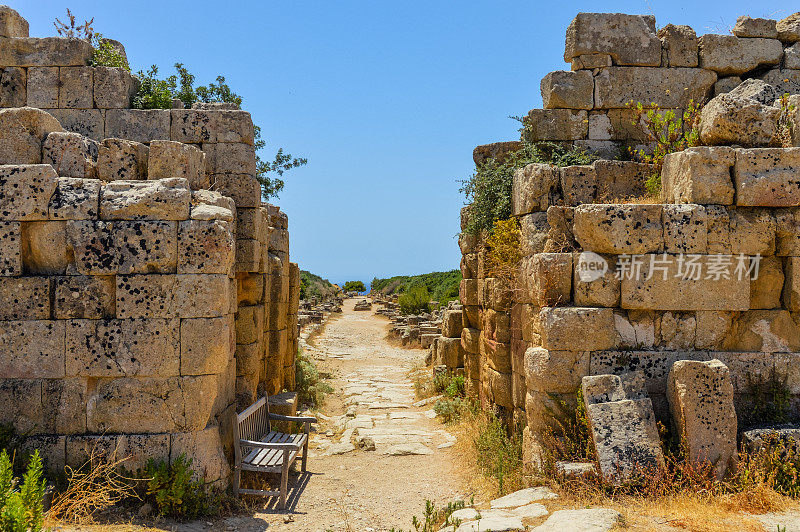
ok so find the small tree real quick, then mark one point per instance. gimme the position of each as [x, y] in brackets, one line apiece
[354, 286]
[415, 300]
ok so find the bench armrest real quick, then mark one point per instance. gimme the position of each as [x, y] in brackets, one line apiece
[298, 419]
[265, 445]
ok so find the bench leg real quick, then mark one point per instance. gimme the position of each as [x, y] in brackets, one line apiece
[305, 455]
[236, 481]
[285, 479]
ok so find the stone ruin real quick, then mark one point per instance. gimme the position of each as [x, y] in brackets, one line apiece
[660, 341]
[416, 330]
[146, 290]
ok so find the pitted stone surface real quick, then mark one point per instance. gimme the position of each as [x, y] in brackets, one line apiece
[162, 199]
[25, 191]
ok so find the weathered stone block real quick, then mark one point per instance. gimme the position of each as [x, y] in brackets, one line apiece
[789, 28]
[234, 127]
[578, 184]
[140, 125]
[555, 371]
[249, 255]
[730, 55]
[766, 177]
[113, 88]
[44, 248]
[685, 229]
[22, 131]
[193, 126]
[120, 159]
[76, 87]
[230, 158]
[755, 27]
[205, 448]
[88, 122]
[619, 229]
[752, 232]
[535, 188]
[243, 188]
[791, 287]
[468, 292]
[724, 85]
[568, 90]
[616, 87]
[701, 400]
[279, 241]
[548, 279]
[21, 402]
[621, 179]
[591, 61]
[172, 296]
[13, 87]
[78, 296]
[25, 191]
[558, 326]
[12, 24]
[209, 205]
[594, 282]
[533, 237]
[628, 39]
[452, 324]
[250, 324]
[42, 87]
[699, 175]
[607, 388]
[32, 349]
[556, 124]
[680, 45]
[10, 248]
[123, 348]
[765, 289]
[767, 331]
[24, 298]
[206, 246]
[664, 282]
[162, 199]
[470, 340]
[206, 346]
[70, 154]
[249, 223]
[48, 51]
[173, 159]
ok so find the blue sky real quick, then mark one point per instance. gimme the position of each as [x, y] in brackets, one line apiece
[386, 99]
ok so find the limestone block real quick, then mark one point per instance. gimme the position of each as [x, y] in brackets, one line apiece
[249, 359]
[10, 248]
[12, 24]
[13, 87]
[718, 220]
[172, 296]
[699, 175]
[279, 241]
[87, 122]
[24, 298]
[25, 191]
[724, 85]
[497, 355]
[500, 385]
[555, 371]
[533, 238]
[629, 39]
[249, 223]
[615, 87]
[76, 87]
[51, 449]
[766, 331]
[206, 246]
[558, 326]
[113, 88]
[789, 28]
[450, 353]
[468, 292]
[621, 179]
[678, 330]
[548, 279]
[44, 248]
[48, 51]
[205, 345]
[729, 55]
[766, 177]
[591, 61]
[635, 329]
[712, 329]
[123, 348]
[209, 205]
[594, 281]
[752, 231]
[173, 159]
[606, 388]
[765, 289]
[578, 184]
[205, 448]
[666, 282]
[250, 324]
[471, 315]
[535, 188]
[21, 403]
[568, 90]
[234, 126]
[755, 27]
[685, 229]
[193, 126]
[230, 158]
[80, 296]
[680, 45]
[556, 124]
[70, 154]
[243, 188]
[32, 349]
[151, 405]
[625, 438]
[120, 159]
[619, 229]
[470, 339]
[250, 288]
[452, 324]
[162, 199]
[701, 400]
[791, 287]
[791, 57]
[42, 87]
[140, 125]
[22, 131]
[497, 150]
[249, 255]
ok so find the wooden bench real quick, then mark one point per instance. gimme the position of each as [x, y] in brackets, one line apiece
[259, 448]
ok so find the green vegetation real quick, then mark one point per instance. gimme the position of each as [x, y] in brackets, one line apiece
[21, 507]
[175, 490]
[442, 286]
[105, 53]
[415, 300]
[315, 286]
[354, 286]
[434, 520]
[309, 384]
[499, 455]
[454, 404]
[489, 189]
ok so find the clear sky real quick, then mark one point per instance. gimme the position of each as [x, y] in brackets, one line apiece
[386, 99]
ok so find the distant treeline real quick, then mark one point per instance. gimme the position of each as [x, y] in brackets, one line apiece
[315, 286]
[442, 286]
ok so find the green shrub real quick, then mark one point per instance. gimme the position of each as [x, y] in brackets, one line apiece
[488, 190]
[354, 286]
[21, 509]
[416, 300]
[153, 93]
[175, 491]
[311, 388]
[499, 455]
[442, 286]
[106, 54]
[434, 520]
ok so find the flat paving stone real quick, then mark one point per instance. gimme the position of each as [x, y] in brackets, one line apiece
[523, 497]
[585, 520]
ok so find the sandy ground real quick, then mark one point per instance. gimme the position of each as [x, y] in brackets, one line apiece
[358, 490]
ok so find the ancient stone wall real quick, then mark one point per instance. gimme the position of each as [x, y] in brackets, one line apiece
[613, 286]
[148, 291]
